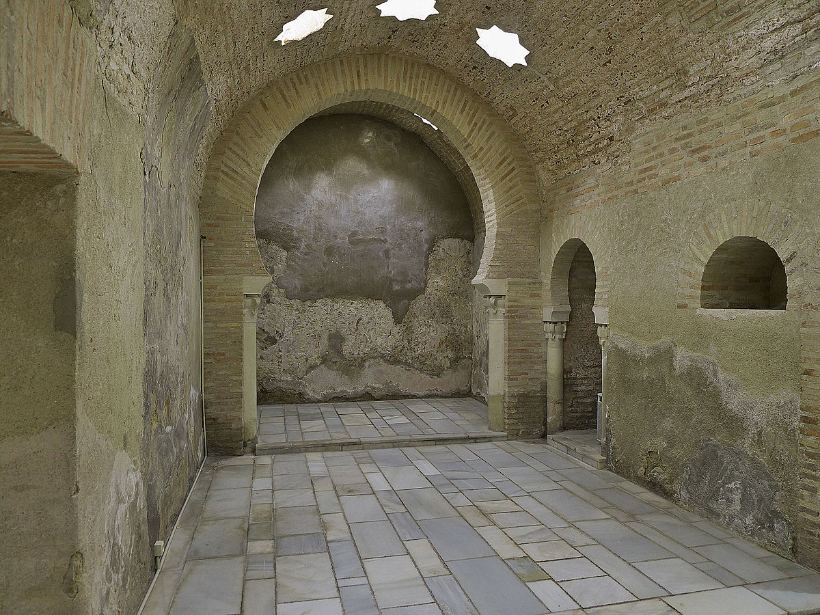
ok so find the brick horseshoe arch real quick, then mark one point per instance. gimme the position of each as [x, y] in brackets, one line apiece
[501, 168]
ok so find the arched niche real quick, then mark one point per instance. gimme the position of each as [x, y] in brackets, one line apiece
[744, 273]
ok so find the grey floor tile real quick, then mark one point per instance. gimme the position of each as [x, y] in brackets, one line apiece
[162, 593]
[296, 520]
[376, 539]
[226, 503]
[346, 562]
[667, 543]
[300, 544]
[526, 569]
[685, 533]
[426, 504]
[396, 582]
[654, 606]
[569, 506]
[719, 574]
[210, 587]
[219, 538]
[800, 595]
[729, 601]
[359, 600]
[630, 577]
[330, 606]
[530, 533]
[406, 526]
[596, 591]
[622, 541]
[549, 550]
[259, 566]
[406, 477]
[450, 597]
[739, 563]
[418, 609]
[570, 569]
[454, 539]
[677, 576]
[304, 577]
[284, 498]
[493, 588]
[553, 597]
[259, 597]
[358, 508]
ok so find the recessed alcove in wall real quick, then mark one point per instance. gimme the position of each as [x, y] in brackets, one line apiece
[368, 237]
[582, 351]
[744, 273]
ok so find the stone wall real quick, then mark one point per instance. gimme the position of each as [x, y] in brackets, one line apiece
[716, 408]
[80, 94]
[582, 351]
[368, 237]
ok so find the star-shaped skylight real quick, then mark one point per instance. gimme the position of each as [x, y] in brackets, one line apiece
[408, 9]
[503, 46]
[306, 24]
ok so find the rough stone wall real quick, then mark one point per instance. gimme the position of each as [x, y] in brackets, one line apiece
[715, 408]
[582, 351]
[79, 98]
[172, 445]
[368, 238]
[38, 476]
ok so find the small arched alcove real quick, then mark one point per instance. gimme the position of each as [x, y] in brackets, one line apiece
[744, 273]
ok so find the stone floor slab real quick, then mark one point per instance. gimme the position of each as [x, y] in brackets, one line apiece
[728, 601]
[290, 521]
[493, 588]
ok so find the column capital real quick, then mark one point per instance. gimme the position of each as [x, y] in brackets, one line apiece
[250, 306]
[497, 307]
[555, 331]
[603, 335]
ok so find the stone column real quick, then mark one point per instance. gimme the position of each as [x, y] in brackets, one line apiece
[249, 418]
[252, 287]
[556, 332]
[496, 352]
[603, 338]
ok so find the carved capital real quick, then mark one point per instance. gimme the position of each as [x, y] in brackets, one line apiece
[555, 331]
[497, 307]
[603, 335]
[250, 307]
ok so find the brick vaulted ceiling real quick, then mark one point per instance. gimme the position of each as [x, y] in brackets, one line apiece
[598, 71]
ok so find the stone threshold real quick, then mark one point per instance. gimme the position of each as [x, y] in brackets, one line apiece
[577, 445]
[354, 444]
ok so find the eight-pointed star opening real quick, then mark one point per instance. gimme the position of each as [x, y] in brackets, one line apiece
[503, 46]
[306, 24]
[408, 9]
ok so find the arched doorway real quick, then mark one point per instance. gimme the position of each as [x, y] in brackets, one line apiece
[576, 329]
[582, 350]
[233, 273]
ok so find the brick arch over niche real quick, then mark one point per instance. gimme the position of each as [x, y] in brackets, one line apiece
[787, 234]
[559, 261]
[231, 261]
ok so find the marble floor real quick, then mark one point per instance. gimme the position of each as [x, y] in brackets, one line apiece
[287, 428]
[489, 528]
